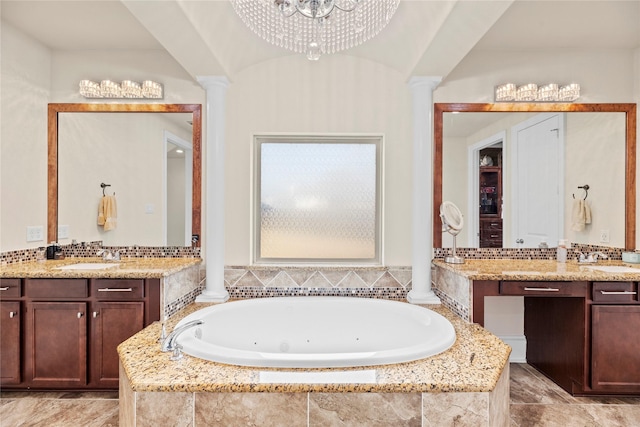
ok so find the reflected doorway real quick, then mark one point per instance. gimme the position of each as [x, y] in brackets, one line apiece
[486, 192]
[177, 190]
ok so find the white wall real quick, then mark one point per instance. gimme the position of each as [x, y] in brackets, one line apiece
[26, 69]
[604, 76]
[32, 76]
[338, 94]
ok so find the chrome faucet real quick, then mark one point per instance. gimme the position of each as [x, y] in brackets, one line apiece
[107, 255]
[592, 258]
[170, 342]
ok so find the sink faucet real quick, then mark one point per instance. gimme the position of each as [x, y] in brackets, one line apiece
[107, 255]
[592, 258]
[170, 342]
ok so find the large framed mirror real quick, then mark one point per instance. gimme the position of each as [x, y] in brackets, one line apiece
[147, 155]
[597, 148]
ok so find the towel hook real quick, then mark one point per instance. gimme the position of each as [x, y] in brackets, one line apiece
[586, 191]
[104, 186]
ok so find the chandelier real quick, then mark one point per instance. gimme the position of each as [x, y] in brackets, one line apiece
[316, 27]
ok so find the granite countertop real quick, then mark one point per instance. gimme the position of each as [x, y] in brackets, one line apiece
[546, 270]
[473, 364]
[127, 268]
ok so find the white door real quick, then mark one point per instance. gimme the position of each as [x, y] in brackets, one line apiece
[537, 175]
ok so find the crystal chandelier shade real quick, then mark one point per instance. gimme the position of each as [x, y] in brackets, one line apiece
[315, 27]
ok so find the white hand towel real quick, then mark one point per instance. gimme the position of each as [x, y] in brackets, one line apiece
[101, 211]
[580, 215]
[110, 213]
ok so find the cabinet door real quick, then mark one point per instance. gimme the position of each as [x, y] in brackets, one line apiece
[615, 364]
[10, 316]
[56, 344]
[111, 324]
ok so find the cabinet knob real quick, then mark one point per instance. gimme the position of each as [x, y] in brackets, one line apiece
[80, 314]
[95, 314]
[13, 314]
[520, 241]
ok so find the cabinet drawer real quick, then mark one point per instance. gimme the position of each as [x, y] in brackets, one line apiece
[10, 288]
[547, 289]
[491, 225]
[56, 288]
[117, 289]
[614, 292]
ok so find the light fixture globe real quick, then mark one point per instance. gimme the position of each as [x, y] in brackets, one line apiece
[315, 27]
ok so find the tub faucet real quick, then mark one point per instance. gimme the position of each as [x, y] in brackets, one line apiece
[170, 342]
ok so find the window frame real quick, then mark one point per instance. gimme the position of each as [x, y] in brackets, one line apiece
[376, 139]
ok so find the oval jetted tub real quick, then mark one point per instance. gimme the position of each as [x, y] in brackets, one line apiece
[315, 332]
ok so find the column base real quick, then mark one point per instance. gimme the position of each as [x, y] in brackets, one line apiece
[208, 296]
[415, 297]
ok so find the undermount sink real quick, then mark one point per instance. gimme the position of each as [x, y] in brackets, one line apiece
[614, 268]
[88, 266]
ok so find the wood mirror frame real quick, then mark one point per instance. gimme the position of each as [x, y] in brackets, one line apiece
[630, 160]
[52, 137]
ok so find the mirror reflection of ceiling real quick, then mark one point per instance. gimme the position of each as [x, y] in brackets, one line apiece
[422, 28]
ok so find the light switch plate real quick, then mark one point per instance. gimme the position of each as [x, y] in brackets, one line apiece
[63, 232]
[35, 233]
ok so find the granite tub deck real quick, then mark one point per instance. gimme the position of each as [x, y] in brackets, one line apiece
[467, 384]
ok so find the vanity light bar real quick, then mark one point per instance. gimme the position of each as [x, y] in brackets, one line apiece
[127, 89]
[531, 92]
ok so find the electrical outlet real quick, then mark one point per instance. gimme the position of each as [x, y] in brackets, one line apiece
[35, 233]
[63, 232]
[604, 236]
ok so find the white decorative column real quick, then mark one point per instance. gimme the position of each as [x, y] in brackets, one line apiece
[216, 89]
[422, 217]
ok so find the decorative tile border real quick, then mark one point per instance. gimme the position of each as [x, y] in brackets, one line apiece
[528, 253]
[174, 306]
[457, 307]
[399, 294]
[89, 249]
[324, 277]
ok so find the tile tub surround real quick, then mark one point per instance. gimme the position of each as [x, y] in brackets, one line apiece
[452, 282]
[468, 381]
[244, 282]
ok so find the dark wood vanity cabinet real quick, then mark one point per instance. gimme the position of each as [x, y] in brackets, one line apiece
[71, 329]
[10, 342]
[56, 344]
[615, 343]
[10, 327]
[582, 335]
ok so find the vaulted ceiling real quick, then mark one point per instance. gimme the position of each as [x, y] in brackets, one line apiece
[425, 37]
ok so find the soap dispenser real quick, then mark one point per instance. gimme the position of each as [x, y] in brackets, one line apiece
[561, 252]
[51, 250]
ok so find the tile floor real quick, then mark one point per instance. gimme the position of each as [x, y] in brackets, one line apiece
[535, 401]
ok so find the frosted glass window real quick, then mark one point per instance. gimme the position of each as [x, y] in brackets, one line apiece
[318, 200]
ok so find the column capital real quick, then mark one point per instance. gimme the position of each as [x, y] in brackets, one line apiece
[430, 81]
[213, 81]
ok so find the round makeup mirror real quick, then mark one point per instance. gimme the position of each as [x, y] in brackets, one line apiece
[452, 222]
